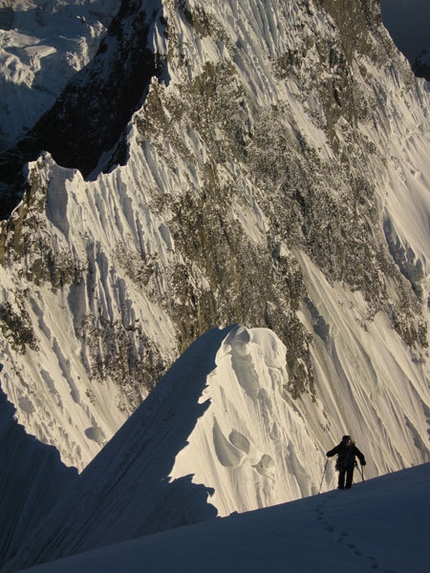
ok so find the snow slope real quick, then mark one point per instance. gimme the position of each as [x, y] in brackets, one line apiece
[32, 480]
[112, 242]
[218, 435]
[96, 286]
[379, 525]
[42, 45]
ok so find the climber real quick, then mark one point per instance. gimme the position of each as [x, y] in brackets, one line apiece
[345, 463]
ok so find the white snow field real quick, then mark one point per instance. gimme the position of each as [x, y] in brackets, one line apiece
[363, 369]
[42, 45]
[380, 525]
[220, 434]
[214, 438]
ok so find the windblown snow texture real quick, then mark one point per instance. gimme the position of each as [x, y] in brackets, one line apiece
[216, 436]
[380, 525]
[90, 116]
[126, 491]
[275, 175]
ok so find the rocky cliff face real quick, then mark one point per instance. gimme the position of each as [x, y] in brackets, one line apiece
[262, 166]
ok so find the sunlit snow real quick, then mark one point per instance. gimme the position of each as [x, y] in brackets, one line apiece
[379, 525]
[221, 434]
[217, 436]
[42, 44]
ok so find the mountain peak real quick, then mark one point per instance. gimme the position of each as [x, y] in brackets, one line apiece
[218, 435]
[273, 174]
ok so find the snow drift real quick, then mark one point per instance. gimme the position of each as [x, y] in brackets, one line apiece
[377, 526]
[218, 435]
[275, 175]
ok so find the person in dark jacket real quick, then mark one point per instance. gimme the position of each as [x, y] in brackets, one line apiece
[346, 452]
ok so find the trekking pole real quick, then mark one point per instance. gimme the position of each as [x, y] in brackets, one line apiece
[362, 472]
[325, 467]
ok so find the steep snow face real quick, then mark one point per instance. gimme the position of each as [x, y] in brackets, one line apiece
[219, 434]
[42, 45]
[33, 479]
[276, 177]
[125, 491]
[90, 117]
[255, 446]
[61, 386]
[252, 446]
[381, 526]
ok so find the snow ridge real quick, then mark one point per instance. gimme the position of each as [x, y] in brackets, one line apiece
[218, 435]
[43, 45]
[125, 491]
[275, 178]
[380, 525]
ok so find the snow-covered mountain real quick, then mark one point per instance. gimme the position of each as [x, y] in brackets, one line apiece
[381, 526]
[218, 435]
[42, 45]
[216, 164]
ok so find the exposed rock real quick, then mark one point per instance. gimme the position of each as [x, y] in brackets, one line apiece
[202, 166]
